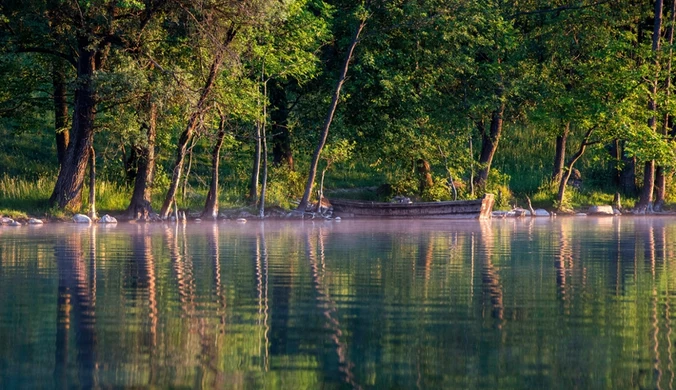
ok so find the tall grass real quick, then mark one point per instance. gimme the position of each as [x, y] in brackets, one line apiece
[19, 197]
[110, 196]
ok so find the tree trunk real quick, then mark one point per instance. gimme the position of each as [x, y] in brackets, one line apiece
[660, 188]
[264, 186]
[187, 134]
[60, 111]
[615, 151]
[645, 200]
[628, 175]
[92, 184]
[67, 192]
[211, 205]
[187, 171]
[560, 155]
[131, 163]
[660, 173]
[489, 144]
[139, 206]
[563, 182]
[264, 181]
[644, 204]
[425, 181]
[256, 169]
[282, 154]
[181, 151]
[329, 117]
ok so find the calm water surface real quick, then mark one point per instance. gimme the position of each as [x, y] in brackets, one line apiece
[565, 303]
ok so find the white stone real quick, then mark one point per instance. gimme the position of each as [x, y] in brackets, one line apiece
[15, 223]
[617, 212]
[580, 215]
[337, 218]
[81, 218]
[6, 220]
[107, 219]
[35, 221]
[541, 213]
[198, 220]
[241, 220]
[600, 210]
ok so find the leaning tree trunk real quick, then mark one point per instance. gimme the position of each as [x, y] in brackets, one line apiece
[187, 134]
[67, 192]
[139, 206]
[563, 182]
[211, 205]
[645, 200]
[329, 117]
[560, 155]
[62, 132]
[660, 173]
[489, 144]
[178, 165]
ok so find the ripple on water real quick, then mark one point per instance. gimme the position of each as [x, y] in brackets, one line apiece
[555, 303]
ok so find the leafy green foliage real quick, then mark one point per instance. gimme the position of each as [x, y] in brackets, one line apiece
[424, 76]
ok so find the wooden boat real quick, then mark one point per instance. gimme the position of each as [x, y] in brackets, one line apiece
[458, 209]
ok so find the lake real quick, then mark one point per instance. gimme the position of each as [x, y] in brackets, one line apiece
[510, 304]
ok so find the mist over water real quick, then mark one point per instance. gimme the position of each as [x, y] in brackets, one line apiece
[530, 303]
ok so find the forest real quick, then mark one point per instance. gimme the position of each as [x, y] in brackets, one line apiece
[148, 106]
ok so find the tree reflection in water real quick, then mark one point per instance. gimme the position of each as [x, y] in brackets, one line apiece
[316, 255]
[510, 304]
[76, 309]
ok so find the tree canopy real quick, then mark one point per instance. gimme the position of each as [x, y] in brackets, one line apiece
[436, 96]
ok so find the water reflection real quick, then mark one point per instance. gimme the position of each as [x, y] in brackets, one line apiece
[76, 307]
[509, 304]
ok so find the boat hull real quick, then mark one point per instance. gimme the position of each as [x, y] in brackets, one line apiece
[461, 209]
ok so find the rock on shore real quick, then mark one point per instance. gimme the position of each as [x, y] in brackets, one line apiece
[81, 218]
[107, 219]
[601, 210]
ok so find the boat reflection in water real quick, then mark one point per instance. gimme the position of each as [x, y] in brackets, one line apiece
[570, 302]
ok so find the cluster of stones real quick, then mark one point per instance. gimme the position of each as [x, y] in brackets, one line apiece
[519, 212]
[10, 222]
[81, 218]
